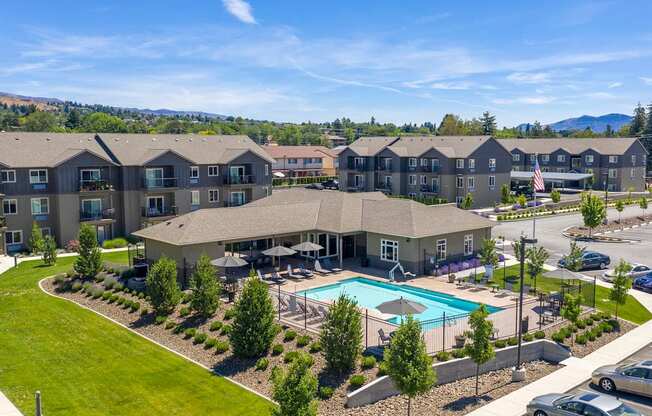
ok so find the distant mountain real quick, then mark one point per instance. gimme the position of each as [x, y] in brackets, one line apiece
[597, 124]
[167, 112]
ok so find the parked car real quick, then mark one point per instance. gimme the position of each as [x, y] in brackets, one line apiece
[637, 270]
[593, 404]
[590, 260]
[331, 184]
[633, 378]
[643, 283]
[317, 186]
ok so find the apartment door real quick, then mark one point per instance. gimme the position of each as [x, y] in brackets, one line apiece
[101, 233]
[435, 184]
[154, 176]
[91, 208]
[237, 173]
[155, 205]
[348, 246]
[237, 198]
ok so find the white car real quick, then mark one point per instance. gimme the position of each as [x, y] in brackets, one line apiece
[637, 270]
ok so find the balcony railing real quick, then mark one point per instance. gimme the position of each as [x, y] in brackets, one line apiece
[106, 214]
[3, 222]
[159, 212]
[359, 166]
[151, 183]
[94, 185]
[384, 166]
[430, 168]
[234, 203]
[429, 189]
[384, 187]
[239, 179]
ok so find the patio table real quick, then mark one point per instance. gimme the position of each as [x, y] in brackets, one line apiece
[494, 287]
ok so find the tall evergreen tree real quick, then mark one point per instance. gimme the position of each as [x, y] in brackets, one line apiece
[162, 286]
[341, 334]
[488, 123]
[253, 326]
[638, 122]
[205, 288]
[89, 261]
[648, 124]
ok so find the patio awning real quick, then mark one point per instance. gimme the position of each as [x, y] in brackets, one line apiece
[551, 176]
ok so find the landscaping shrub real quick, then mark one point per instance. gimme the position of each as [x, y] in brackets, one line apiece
[443, 356]
[253, 329]
[382, 369]
[512, 341]
[141, 295]
[205, 288]
[289, 335]
[277, 349]
[590, 335]
[458, 353]
[59, 279]
[72, 246]
[178, 329]
[221, 347]
[199, 338]
[97, 292]
[262, 364]
[185, 311]
[215, 326]
[144, 312]
[229, 314]
[597, 331]
[127, 304]
[290, 356]
[189, 333]
[118, 287]
[210, 343]
[581, 324]
[528, 337]
[226, 330]
[295, 389]
[86, 287]
[368, 362]
[539, 335]
[185, 297]
[303, 340]
[109, 282]
[109, 296]
[325, 392]
[135, 306]
[120, 300]
[341, 334]
[501, 343]
[114, 243]
[558, 336]
[169, 324]
[315, 347]
[160, 319]
[356, 381]
[162, 285]
[581, 339]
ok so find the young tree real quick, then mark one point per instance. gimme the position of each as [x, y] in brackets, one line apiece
[555, 195]
[89, 261]
[36, 240]
[162, 286]
[49, 250]
[593, 211]
[621, 284]
[643, 204]
[206, 289]
[407, 361]
[253, 325]
[522, 200]
[572, 308]
[574, 257]
[488, 254]
[341, 334]
[516, 246]
[505, 194]
[295, 390]
[620, 206]
[536, 258]
[638, 121]
[488, 123]
[480, 348]
[467, 202]
[648, 122]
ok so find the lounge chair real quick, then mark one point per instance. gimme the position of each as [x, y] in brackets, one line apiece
[328, 265]
[264, 278]
[283, 305]
[314, 311]
[276, 277]
[384, 339]
[320, 269]
[305, 272]
[322, 311]
[291, 274]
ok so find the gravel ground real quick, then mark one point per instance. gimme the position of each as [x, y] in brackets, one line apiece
[613, 225]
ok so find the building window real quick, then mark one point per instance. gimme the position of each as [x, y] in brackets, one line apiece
[613, 159]
[561, 158]
[266, 188]
[516, 157]
[389, 250]
[561, 170]
[492, 163]
[533, 158]
[294, 161]
[441, 249]
[194, 198]
[516, 168]
[460, 182]
[589, 170]
[266, 170]
[424, 180]
[358, 181]
[588, 159]
[38, 176]
[45, 231]
[424, 162]
[213, 195]
[468, 244]
[213, 171]
[471, 163]
[237, 198]
[40, 206]
[459, 199]
[632, 173]
[14, 237]
[633, 160]
[459, 163]
[470, 183]
[10, 207]
[545, 158]
[8, 176]
[412, 179]
[412, 195]
[194, 172]
[307, 160]
[412, 162]
[612, 173]
[492, 182]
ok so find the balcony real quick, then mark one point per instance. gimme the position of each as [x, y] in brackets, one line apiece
[430, 169]
[106, 214]
[234, 203]
[159, 212]
[385, 166]
[157, 183]
[428, 189]
[239, 180]
[3, 222]
[357, 165]
[95, 185]
[384, 187]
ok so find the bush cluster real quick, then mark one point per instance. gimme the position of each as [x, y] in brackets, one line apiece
[303, 340]
[222, 347]
[443, 356]
[368, 361]
[356, 381]
[262, 364]
[115, 243]
[325, 392]
[277, 349]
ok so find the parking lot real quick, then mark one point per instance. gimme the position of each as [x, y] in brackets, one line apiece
[642, 404]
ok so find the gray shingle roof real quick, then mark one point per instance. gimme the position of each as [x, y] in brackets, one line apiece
[300, 210]
[415, 146]
[605, 146]
[32, 150]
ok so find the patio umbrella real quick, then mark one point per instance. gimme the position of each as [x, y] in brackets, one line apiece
[565, 274]
[229, 261]
[401, 307]
[308, 246]
[279, 251]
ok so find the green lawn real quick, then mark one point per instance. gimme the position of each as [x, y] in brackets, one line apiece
[85, 365]
[632, 310]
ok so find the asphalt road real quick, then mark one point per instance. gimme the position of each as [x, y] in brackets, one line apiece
[548, 232]
[642, 404]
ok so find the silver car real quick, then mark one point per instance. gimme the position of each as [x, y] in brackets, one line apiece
[586, 404]
[637, 271]
[633, 378]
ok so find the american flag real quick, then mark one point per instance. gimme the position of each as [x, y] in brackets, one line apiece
[538, 177]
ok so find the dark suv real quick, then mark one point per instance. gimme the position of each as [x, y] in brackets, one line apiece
[590, 260]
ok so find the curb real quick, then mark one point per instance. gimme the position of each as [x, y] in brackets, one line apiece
[249, 389]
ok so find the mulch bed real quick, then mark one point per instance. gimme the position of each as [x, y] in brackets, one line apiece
[611, 226]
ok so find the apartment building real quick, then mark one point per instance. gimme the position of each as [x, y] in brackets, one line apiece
[119, 183]
[615, 163]
[429, 166]
[298, 161]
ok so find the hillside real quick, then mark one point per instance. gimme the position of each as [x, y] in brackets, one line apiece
[597, 124]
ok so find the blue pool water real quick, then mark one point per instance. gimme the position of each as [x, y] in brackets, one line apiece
[371, 293]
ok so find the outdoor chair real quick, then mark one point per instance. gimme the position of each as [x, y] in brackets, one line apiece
[276, 277]
[320, 269]
[384, 339]
[305, 272]
[322, 311]
[283, 305]
[313, 311]
[328, 265]
[507, 291]
[265, 278]
[291, 274]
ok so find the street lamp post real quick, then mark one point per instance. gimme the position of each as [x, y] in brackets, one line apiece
[519, 373]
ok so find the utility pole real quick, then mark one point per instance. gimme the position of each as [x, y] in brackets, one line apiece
[519, 373]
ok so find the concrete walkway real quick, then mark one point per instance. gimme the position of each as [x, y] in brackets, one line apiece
[7, 262]
[7, 408]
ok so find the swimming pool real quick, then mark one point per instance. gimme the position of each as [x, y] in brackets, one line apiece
[371, 293]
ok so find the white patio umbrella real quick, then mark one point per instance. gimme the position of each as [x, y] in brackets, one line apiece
[308, 246]
[401, 307]
[229, 262]
[279, 251]
[565, 274]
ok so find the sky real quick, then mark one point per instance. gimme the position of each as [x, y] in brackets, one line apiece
[399, 61]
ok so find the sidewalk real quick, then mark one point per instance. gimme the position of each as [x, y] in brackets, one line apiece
[7, 262]
[7, 408]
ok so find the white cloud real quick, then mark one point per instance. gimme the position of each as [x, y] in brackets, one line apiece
[454, 85]
[529, 77]
[241, 10]
[537, 100]
[615, 84]
[646, 80]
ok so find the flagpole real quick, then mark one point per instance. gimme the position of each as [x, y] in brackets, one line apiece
[534, 189]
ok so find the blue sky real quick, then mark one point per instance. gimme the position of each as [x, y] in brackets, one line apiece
[400, 61]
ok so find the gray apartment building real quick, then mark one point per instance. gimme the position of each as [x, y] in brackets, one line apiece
[428, 166]
[617, 164]
[120, 183]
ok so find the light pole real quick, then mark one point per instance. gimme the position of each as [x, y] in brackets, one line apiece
[519, 373]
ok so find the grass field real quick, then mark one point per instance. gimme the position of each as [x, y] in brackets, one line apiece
[632, 310]
[84, 364]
